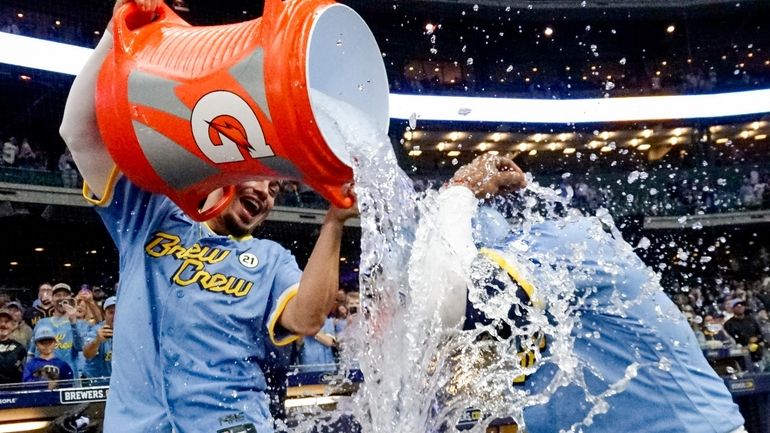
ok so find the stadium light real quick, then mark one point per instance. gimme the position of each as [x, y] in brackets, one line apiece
[41, 54]
[598, 110]
[69, 59]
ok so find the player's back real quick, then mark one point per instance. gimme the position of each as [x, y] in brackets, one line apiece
[627, 327]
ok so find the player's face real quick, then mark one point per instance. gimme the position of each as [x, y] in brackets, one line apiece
[251, 204]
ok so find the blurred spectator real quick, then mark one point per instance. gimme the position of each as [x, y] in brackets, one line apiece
[695, 324]
[69, 173]
[353, 302]
[21, 332]
[12, 353]
[45, 366]
[714, 333]
[41, 307]
[746, 193]
[340, 319]
[745, 330]
[289, 195]
[10, 151]
[68, 331]
[99, 296]
[27, 157]
[764, 292]
[91, 312]
[317, 353]
[98, 345]
[764, 324]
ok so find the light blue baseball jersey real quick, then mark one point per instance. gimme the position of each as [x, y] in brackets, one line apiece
[316, 356]
[675, 389]
[101, 364]
[195, 311]
[69, 340]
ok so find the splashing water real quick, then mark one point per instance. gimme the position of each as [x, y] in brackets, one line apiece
[420, 374]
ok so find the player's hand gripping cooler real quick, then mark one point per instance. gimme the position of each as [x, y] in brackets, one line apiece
[185, 110]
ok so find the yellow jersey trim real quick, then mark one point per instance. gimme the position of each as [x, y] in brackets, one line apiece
[528, 287]
[109, 189]
[287, 296]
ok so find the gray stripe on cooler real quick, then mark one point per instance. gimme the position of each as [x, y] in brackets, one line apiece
[178, 167]
[155, 92]
[250, 73]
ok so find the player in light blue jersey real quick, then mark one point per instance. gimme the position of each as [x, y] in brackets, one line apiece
[198, 302]
[98, 346]
[624, 320]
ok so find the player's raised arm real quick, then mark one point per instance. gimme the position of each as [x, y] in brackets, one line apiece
[444, 248]
[305, 313]
[79, 128]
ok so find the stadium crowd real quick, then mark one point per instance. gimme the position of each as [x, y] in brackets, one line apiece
[64, 338]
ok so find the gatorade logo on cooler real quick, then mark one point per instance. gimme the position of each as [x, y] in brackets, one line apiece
[225, 128]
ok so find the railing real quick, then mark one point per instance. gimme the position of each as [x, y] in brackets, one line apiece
[658, 192]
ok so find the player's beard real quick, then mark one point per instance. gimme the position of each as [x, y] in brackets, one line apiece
[235, 228]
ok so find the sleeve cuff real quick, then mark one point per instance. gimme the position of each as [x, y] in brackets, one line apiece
[106, 195]
[279, 336]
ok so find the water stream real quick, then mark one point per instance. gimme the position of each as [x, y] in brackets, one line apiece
[420, 375]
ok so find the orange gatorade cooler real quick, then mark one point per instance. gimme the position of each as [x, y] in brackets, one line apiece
[185, 110]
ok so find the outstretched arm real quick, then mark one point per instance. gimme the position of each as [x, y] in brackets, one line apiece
[305, 313]
[444, 248]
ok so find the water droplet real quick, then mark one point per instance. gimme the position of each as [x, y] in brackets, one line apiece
[339, 42]
[509, 68]
[653, 191]
[469, 61]
[623, 61]
[475, 8]
[681, 220]
[643, 244]
[664, 364]
[413, 120]
[721, 182]
[433, 51]
[632, 177]
[609, 85]
[697, 226]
